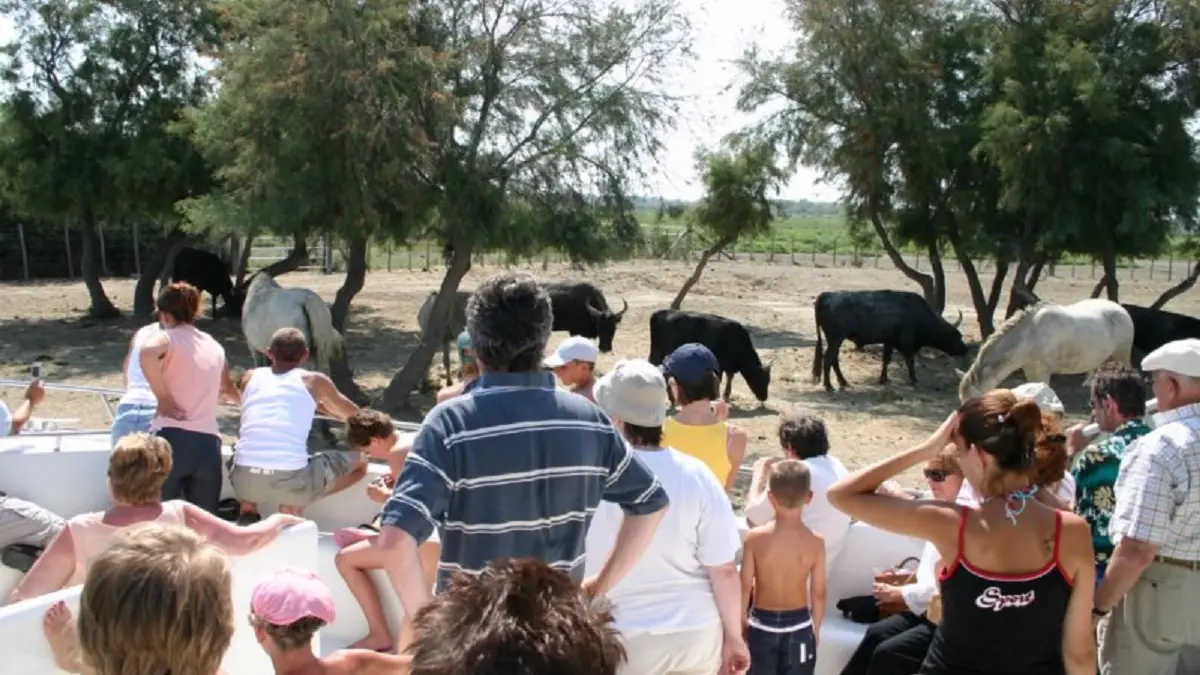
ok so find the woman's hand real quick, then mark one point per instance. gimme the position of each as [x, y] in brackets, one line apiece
[945, 433]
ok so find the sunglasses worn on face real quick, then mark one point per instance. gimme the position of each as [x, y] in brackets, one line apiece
[936, 475]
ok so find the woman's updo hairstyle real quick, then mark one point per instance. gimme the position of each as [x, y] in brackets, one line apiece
[1017, 434]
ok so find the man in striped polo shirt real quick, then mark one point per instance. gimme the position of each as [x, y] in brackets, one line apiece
[516, 467]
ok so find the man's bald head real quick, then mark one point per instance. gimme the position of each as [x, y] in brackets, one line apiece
[288, 347]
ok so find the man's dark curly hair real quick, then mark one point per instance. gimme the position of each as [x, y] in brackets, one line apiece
[509, 320]
[1123, 385]
[519, 617]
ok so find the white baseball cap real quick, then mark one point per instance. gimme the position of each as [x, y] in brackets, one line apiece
[1041, 394]
[1180, 356]
[634, 392]
[574, 348]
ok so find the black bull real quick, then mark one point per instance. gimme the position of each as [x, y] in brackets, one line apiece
[899, 320]
[580, 309]
[1153, 328]
[207, 273]
[728, 340]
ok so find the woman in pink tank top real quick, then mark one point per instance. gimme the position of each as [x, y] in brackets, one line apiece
[137, 469]
[187, 372]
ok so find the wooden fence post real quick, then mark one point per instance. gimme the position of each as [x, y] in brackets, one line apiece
[70, 261]
[24, 253]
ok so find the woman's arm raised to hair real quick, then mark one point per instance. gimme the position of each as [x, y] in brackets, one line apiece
[1078, 558]
[51, 571]
[857, 495]
[235, 539]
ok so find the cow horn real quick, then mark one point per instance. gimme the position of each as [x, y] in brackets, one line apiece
[624, 308]
[958, 322]
[592, 310]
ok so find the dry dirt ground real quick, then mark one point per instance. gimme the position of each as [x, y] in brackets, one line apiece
[43, 322]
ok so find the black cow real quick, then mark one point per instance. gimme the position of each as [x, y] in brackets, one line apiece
[208, 273]
[580, 309]
[896, 319]
[1153, 328]
[727, 339]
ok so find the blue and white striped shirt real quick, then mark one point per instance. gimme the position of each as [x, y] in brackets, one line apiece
[514, 469]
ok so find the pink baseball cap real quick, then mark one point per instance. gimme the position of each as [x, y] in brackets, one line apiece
[290, 594]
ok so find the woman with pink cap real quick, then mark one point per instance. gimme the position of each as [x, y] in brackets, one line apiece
[287, 608]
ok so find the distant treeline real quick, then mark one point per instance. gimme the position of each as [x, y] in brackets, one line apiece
[798, 207]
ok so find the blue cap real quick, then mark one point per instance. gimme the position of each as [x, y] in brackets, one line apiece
[690, 363]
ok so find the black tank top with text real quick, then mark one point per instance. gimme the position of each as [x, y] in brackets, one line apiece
[1000, 624]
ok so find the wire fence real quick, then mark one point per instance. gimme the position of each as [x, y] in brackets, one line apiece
[48, 255]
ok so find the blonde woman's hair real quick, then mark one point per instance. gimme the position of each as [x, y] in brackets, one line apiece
[157, 600]
[138, 467]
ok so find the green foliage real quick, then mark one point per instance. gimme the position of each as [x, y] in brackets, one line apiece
[94, 88]
[737, 182]
[317, 123]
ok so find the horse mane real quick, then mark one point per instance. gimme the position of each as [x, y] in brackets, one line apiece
[1010, 325]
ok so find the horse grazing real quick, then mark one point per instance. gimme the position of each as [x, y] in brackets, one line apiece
[269, 307]
[1048, 339]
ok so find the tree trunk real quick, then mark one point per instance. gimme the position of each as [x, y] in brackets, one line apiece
[294, 260]
[985, 306]
[695, 278]
[356, 276]
[395, 397]
[939, 277]
[1035, 274]
[928, 288]
[89, 267]
[1179, 288]
[1111, 283]
[1020, 294]
[993, 299]
[245, 246]
[1100, 285]
[143, 293]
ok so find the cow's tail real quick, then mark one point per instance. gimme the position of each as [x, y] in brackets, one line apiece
[327, 342]
[816, 366]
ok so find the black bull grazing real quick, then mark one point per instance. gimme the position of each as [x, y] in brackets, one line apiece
[580, 309]
[1153, 328]
[206, 272]
[898, 320]
[727, 339]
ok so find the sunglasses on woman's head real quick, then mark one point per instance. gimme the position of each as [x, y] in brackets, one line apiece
[936, 475]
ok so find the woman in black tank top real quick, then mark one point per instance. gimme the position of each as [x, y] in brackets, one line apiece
[1017, 578]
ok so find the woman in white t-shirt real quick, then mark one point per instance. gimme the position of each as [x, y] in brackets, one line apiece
[136, 408]
[679, 610]
[805, 438]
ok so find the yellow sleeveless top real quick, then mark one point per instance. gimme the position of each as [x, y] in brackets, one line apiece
[707, 443]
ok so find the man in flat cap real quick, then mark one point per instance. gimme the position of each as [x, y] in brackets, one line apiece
[1146, 603]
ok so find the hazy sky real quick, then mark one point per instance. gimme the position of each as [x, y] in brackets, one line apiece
[722, 30]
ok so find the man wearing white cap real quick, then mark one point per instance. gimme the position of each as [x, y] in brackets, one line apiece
[678, 610]
[574, 363]
[1146, 601]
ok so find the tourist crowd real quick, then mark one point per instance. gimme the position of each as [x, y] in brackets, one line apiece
[519, 503]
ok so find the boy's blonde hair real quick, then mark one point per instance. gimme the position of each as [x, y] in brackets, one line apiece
[157, 600]
[790, 483]
[137, 469]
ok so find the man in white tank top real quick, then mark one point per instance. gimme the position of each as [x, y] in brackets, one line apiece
[271, 464]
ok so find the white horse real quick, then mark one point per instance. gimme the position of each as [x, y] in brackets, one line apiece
[1048, 339]
[269, 307]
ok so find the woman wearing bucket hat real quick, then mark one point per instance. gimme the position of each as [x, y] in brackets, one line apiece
[678, 609]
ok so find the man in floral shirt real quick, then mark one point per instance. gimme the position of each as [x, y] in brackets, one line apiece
[1118, 399]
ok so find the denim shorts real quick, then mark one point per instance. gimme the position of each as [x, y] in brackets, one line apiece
[782, 643]
[131, 418]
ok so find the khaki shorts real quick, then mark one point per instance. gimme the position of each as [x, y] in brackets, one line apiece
[300, 487]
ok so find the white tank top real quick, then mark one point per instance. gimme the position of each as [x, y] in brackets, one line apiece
[277, 413]
[138, 391]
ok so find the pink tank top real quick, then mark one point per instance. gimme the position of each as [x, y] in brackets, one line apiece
[192, 374]
[90, 534]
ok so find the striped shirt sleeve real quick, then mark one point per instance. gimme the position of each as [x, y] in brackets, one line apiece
[422, 492]
[630, 484]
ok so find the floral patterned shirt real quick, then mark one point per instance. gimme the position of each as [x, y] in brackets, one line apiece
[1095, 471]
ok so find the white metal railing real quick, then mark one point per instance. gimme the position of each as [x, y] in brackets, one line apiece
[106, 393]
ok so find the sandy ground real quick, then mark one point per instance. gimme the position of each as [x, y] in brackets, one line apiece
[42, 322]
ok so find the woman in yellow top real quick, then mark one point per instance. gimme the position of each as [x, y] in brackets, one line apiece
[699, 428]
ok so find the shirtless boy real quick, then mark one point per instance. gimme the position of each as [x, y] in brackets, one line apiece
[783, 573]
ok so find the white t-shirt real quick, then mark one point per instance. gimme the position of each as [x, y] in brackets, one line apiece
[138, 391]
[918, 594]
[819, 515]
[669, 590]
[5, 419]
